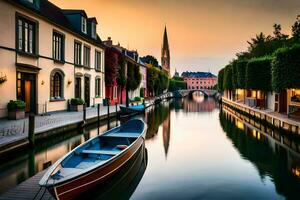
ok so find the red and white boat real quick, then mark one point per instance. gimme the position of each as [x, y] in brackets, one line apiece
[94, 161]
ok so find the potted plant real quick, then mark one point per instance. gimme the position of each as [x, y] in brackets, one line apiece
[16, 109]
[76, 104]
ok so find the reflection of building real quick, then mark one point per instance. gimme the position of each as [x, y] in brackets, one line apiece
[199, 80]
[167, 132]
[206, 105]
[49, 55]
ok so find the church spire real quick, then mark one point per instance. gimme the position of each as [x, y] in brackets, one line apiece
[165, 53]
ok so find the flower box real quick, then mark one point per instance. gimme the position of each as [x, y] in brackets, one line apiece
[16, 110]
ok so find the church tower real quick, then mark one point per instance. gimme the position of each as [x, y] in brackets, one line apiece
[165, 53]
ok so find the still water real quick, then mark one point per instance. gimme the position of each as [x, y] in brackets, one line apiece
[194, 150]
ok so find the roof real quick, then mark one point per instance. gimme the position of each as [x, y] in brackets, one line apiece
[197, 75]
[57, 16]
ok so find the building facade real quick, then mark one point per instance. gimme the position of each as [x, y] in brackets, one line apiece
[53, 56]
[199, 80]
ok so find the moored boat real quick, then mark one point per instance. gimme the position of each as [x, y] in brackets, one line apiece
[94, 161]
[132, 109]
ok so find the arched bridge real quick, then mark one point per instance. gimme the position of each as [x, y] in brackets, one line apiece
[206, 92]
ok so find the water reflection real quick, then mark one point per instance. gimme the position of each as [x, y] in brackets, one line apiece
[195, 151]
[272, 157]
[26, 164]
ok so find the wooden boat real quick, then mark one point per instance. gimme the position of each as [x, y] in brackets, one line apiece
[123, 184]
[94, 161]
[132, 109]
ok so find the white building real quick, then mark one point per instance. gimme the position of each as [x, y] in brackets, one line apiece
[49, 56]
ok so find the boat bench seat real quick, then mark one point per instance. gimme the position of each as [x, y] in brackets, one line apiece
[122, 134]
[100, 152]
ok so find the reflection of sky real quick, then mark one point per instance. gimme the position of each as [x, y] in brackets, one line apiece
[201, 163]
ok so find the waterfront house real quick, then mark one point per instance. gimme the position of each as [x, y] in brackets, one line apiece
[48, 55]
[120, 55]
[199, 80]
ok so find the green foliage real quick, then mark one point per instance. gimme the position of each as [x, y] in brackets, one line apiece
[286, 68]
[176, 85]
[121, 79]
[258, 74]
[16, 105]
[150, 60]
[241, 73]
[111, 67]
[161, 83]
[157, 80]
[137, 99]
[76, 101]
[234, 75]
[296, 29]
[142, 92]
[221, 80]
[134, 77]
[227, 81]
[177, 78]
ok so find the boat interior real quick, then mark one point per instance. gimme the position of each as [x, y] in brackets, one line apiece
[99, 150]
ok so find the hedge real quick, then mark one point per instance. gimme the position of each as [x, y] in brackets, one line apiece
[221, 79]
[241, 73]
[176, 85]
[76, 101]
[286, 68]
[227, 82]
[258, 74]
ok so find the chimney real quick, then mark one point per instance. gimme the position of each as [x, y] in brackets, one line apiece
[108, 42]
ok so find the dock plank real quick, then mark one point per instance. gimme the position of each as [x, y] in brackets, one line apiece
[28, 189]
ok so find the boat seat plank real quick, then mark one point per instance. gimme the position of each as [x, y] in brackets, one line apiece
[100, 152]
[122, 134]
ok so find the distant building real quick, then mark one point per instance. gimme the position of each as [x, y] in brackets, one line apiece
[165, 53]
[199, 80]
[176, 73]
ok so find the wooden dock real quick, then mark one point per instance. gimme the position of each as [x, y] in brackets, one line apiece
[28, 190]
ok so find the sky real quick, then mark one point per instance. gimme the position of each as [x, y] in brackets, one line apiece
[203, 35]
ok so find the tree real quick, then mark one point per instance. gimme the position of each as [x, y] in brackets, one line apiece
[150, 60]
[133, 77]
[111, 67]
[277, 33]
[121, 79]
[296, 28]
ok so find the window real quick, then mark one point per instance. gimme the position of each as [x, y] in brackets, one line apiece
[83, 25]
[115, 92]
[78, 87]
[56, 85]
[58, 46]
[26, 36]
[86, 56]
[97, 60]
[77, 53]
[93, 31]
[98, 87]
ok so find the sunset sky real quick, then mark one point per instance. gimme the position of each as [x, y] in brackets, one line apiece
[203, 35]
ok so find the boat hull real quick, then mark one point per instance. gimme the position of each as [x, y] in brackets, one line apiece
[83, 183]
[128, 110]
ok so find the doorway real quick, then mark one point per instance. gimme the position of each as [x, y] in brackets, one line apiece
[283, 101]
[87, 91]
[26, 90]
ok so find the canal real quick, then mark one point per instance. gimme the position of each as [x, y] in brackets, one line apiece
[194, 150]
